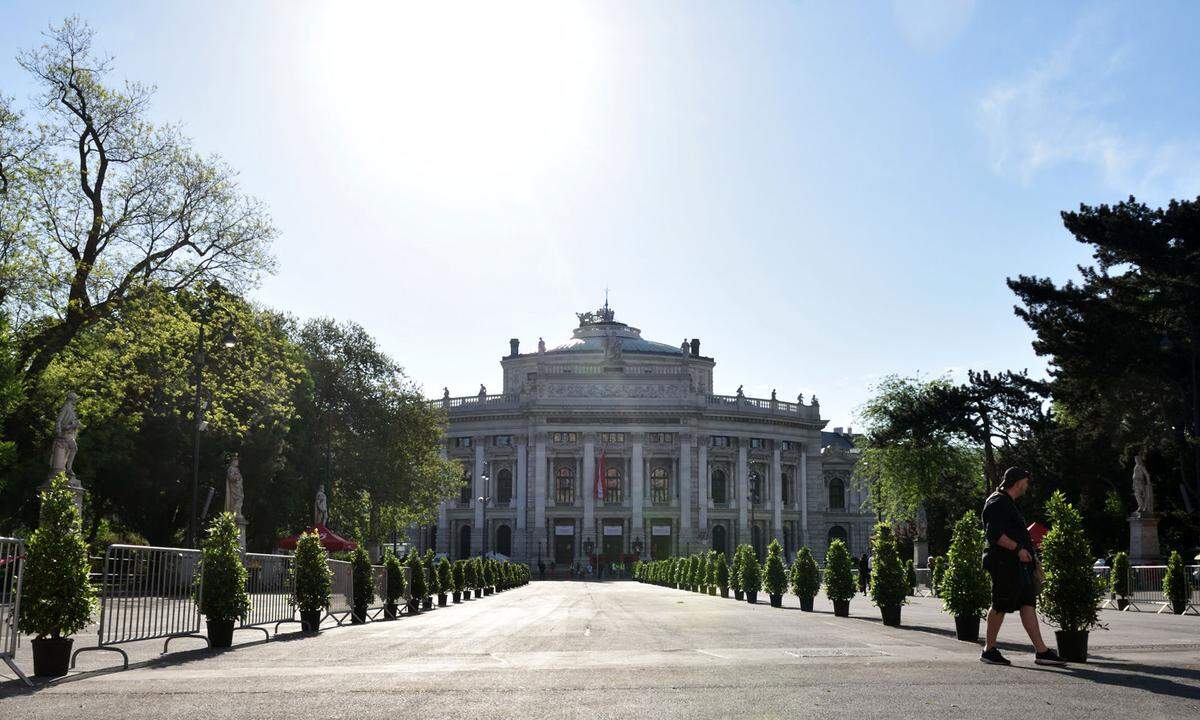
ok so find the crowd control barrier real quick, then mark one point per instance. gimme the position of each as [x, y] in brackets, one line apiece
[146, 593]
[269, 585]
[1146, 588]
[342, 597]
[12, 558]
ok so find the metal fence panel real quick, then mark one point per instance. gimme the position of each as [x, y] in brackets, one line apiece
[924, 587]
[342, 601]
[379, 576]
[12, 558]
[146, 593]
[269, 585]
[1146, 588]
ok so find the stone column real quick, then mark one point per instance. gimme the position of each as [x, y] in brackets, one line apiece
[702, 484]
[635, 483]
[1143, 539]
[777, 492]
[685, 484]
[522, 480]
[804, 494]
[539, 482]
[743, 480]
[587, 479]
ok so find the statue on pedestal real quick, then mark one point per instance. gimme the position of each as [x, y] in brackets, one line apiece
[1143, 491]
[64, 447]
[320, 508]
[233, 489]
[541, 345]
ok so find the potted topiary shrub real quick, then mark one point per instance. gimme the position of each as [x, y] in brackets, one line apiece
[459, 579]
[735, 578]
[889, 586]
[1175, 583]
[431, 580]
[775, 575]
[395, 584]
[489, 577]
[223, 600]
[1071, 591]
[1118, 580]
[312, 581]
[57, 599]
[910, 574]
[418, 588]
[937, 570]
[722, 575]
[839, 577]
[469, 580]
[965, 588]
[806, 578]
[445, 577]
[364, 584]
[477, 563]
[751, 577]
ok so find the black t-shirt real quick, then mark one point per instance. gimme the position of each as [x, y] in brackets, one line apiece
[1001, 517]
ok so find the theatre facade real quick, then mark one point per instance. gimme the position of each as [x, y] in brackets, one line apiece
[610, 446]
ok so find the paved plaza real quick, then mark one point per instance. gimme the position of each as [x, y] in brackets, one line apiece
[619, 649]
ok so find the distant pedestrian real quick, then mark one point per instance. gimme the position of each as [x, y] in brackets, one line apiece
[1009, 559]
[864, 572]
[541, 570]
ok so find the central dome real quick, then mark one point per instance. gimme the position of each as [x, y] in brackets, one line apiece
[599, 332]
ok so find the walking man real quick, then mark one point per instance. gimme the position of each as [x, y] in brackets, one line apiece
[1009, 560]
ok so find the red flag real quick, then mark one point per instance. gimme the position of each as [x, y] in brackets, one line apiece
[600, 477]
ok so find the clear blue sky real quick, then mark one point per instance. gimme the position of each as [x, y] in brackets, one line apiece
[824, 193]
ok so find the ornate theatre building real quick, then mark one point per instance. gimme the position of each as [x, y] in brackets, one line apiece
[614, 446]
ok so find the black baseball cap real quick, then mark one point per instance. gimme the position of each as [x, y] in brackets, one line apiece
[1013, 475]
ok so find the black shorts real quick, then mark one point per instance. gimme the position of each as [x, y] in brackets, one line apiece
[1012, 585]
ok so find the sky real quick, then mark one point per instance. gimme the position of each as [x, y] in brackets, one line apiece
[823, 193]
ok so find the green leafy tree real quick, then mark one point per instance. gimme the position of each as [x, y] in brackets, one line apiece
[312, 580]
[805, 575]
[775, 574]
[1071, 592]
[839, 575]
[889, 586]
[223, 595]
[57, 599]
[966, 589]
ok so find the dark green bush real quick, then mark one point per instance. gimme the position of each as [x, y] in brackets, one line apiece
[806, 576]
[1118, 576]
[775, 577]
[312, 581]
[418, 588]
[1175, 582]
[364, 580]
[395, 578]
[839, 576]
[57, 597]
[965, 588]
[889, 586]
[1072, 590]
[223, 593]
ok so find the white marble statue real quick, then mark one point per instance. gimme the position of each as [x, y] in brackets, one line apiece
[541, 345]
[64, 447]
[1143, 492]
[320, 508]
[922, 523]
[234, 494]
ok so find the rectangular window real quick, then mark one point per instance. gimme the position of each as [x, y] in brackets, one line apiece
[786, 445]
[662, 438]
[720, 441]
[757, 443]
[504, 440]
[565, 437]
[611, 437]
[462, 442]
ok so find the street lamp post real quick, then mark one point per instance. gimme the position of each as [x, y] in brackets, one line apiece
[484, 499]
[198, 422]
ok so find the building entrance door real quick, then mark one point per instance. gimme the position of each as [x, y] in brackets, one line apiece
[660, 542]
[564, 544]
[613, 544]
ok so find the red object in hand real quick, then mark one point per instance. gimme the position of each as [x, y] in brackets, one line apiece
[1037, 531]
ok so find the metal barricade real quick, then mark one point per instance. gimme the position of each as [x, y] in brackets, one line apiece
[379, 573]
[342, 600]
[146, 593]
[269, 585]
[12, 559]
[924, 586]
[1146, 588]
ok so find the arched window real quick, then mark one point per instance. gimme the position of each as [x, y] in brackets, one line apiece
[837, 494]
[786, 481]
[464, 542]
[660, 486]
[718, 487]
[464, 492]
[564, 486]
[612, 485]
[504, 540]
[837, 532]
[504, 487]
[718, 539]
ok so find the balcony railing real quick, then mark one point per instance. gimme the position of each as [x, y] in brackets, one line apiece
[764, 406]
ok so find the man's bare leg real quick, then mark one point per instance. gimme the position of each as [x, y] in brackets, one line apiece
[994, 621]
[1029, 620]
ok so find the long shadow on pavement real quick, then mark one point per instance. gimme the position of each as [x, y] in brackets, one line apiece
[1122, 676]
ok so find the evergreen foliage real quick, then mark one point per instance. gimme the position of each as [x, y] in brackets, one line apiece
[751, 572]
[57, 597]
[419, 587]
[805, 575]
[395, 577]
[722, 572]
[1071, 592]
[1175, 582]
[889, 586]
[312, 581]
[965, 588]
[775, 577]
[223, 593]
[910, 575]
[364, 580]
[460, 575]
[839, 576]
[1118, 576]
[445, 575]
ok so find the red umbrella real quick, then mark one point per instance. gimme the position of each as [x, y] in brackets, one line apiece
[331, 540]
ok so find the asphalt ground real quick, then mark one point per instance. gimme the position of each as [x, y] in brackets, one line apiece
[566, 649]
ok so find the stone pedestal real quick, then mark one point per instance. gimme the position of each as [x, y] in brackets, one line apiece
[921, 553]
[75, 488]
[1143, 539]
[241, 523]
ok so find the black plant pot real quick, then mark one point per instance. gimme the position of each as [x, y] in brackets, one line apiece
[358, 616]
[725, 592]
[487, 591]
[1179, 606]
[891, 615]
[457, 596]
[220, 633]
[441, 599]
[52, 656]
[1122, 603]
[712, 590]
[414, 606]
[738, 595]
[389, 611]
[427, 603]
[478, 592]
[310, 621]
[841, 608]
[966, 628]
[806, 604]
[776, 600]
[1072, 645]
[752, 597]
